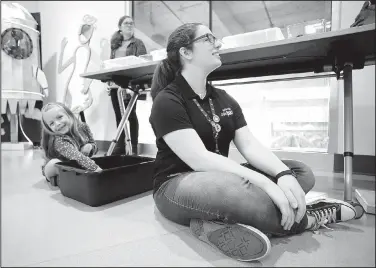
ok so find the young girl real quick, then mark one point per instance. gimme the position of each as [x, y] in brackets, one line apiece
[64, 138]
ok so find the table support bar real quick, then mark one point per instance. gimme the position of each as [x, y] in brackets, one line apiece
[123, 122]
[348, 130]
[120, 94]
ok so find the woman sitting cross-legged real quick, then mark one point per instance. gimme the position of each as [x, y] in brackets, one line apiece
[228, 205]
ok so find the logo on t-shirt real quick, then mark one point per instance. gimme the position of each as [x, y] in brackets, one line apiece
[226, 112]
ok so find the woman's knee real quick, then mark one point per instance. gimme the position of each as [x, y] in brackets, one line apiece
[304, 173]
[206, 195]
[224, 184]
[238, 196]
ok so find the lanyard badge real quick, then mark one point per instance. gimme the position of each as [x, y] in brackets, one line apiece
[214, 122]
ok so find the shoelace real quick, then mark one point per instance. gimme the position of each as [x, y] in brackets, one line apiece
[323, 217]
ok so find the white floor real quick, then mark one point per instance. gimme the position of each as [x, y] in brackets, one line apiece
[40, 227]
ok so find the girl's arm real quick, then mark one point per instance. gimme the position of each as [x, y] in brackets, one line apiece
[69, 151]
[91, 138]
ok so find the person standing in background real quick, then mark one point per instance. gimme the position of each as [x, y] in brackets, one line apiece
[124, 43]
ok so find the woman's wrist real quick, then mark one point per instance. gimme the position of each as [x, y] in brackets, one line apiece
[284, 173]
[269, 186]
[264, 182]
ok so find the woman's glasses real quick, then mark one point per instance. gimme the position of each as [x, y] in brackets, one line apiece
[128, 23]
[211, 38]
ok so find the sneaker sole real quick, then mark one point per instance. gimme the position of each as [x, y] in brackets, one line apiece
[237, 241]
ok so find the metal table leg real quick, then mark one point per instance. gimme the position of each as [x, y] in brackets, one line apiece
[349, 139]
[348, 130]
[127, 142]
[122, 122]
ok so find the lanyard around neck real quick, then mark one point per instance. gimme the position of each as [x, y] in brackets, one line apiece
[214, 122]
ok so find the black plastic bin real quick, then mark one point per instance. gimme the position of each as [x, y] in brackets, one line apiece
[122, 177]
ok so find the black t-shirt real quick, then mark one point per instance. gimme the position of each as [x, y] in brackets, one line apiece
[174, 109]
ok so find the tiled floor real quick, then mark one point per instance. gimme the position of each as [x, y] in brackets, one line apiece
[40, 227]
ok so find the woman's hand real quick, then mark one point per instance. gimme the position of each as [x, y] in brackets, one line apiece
[294, 194]
[279, 198]
[86, 149]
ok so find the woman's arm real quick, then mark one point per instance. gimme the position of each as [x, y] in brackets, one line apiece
[257, 154]
[265, 160]
[141, 49]
[112, 54]
[195, 155]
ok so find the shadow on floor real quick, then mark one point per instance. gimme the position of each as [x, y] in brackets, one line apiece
[69, 202]
[44, 185]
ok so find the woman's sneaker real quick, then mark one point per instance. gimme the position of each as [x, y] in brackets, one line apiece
[328, 211]
[237, 241]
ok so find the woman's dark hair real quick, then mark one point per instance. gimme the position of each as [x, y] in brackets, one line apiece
[166, 70]
[117, 38]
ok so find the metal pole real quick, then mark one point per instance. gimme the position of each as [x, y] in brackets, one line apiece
[127, 141]
[267, 14]
[123, 121]
[210, 15]
[348, 130]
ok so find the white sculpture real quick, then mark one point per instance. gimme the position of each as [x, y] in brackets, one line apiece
[77, 95]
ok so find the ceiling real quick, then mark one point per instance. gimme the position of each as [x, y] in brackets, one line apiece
[157, 19]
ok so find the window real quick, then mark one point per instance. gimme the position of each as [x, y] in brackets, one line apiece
[16, 43]
[293, 18]
[157, 19]
[286, 115]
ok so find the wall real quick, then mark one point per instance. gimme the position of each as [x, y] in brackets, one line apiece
[363, 94]
[61, 19]
[31, 6]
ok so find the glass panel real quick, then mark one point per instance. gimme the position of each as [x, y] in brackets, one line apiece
[237, 17]
[286, 115]
[157, 19]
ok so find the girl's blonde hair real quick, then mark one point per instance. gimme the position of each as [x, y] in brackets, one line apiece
[48, 136]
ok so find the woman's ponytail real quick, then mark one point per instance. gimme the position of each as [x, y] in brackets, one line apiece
[164, 74]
